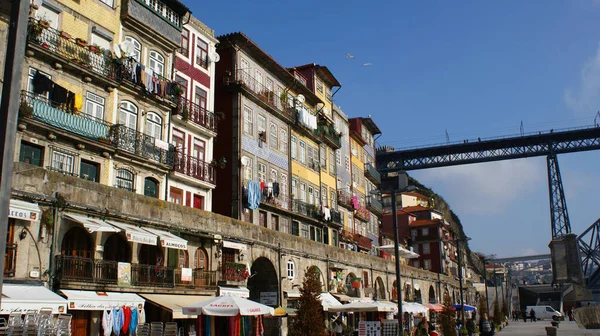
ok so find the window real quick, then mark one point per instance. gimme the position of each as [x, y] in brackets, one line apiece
[183, 258]
[198, 150]
[285, 225]
[302, 153]
[108, 2]
[283, 186]
[427, 264]
[128, 115]
[426, 248]
[347, 162]
[305, 231]
[185, 42]
[137, 48]
[274, 136]
[200, 98]
[313, 234]
[183, 83]
[328, 93]
[283, 141]
[324, 194]
[48, 14]
[178, 139]
[62, 162]
[319, 235]
[295, 228]
[323, 157]
[248, 169]
[154, 125]
[94, 105]
[32, 154]
[124, 179]
[261, 126]
[176, 195]
[248, 120]
[198, 202]
[100, 41]
[245, 68]
[319, 86]
[332, 161]
[275, 222]
[202, 53]
[157, 63]
[30, 76]
[295, 187]
[262, 172]
[273, 175]
[150, 187]
[333, 198]
[303, 191]
[311, 194]
[417, 264]
[161, 9]
[89, 170]
[413, 234]
[201, 259]
[293, 148]
[313, 156]
[425, 231]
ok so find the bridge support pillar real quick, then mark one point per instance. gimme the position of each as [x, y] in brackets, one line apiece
[566, 263]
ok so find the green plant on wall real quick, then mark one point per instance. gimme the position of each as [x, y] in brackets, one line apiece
[47, 220]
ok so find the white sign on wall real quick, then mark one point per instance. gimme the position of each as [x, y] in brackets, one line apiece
[268, 298]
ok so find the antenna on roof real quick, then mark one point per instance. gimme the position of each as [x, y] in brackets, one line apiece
[447, 137]
[597, 119]
[522, 129]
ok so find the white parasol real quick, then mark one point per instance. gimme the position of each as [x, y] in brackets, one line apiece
[228, 306]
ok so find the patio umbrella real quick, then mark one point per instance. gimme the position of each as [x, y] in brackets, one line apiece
[414, 307]
[228, 306]
[467, 307]
[436, 307]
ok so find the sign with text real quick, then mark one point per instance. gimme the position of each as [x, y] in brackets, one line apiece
[124, 274]
[268, 298]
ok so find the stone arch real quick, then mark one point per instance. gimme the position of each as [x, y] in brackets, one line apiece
[151, 255]
[263, 278]
[446, 294]
[432, 298]
[116, 248]
[77, 242]
[350, 290]
[395, 291]
[379, 289]
[321, 277]
[417, 297]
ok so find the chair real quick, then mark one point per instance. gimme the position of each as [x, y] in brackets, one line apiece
[170, 329]
[143, 330]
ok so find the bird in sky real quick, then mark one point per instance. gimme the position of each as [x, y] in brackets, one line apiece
[349, 56]
[367, 64]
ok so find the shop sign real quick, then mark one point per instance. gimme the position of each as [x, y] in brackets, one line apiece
[101, 305]
[174, 244]
[14, 212]
[268, 298]
[186, 274]
[124, 274]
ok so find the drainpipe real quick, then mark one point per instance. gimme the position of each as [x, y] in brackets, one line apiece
[328, 273]
[52, 266]
[279, 280]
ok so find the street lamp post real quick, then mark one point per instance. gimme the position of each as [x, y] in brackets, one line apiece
[487, 297]
[460, 276]
[397, 255]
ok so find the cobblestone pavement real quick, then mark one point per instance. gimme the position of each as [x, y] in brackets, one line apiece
[538, 329]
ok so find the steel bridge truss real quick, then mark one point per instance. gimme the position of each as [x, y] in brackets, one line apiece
[559, 216]
[589, 247]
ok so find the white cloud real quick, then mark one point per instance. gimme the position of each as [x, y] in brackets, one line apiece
[528, 252]
[587, 97]
[485, 188]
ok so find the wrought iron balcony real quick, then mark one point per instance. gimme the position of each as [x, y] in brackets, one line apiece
[330, 136]
[364, 242]
[260, 92]
[305, 209]
[234, 272]
[202, 61]
[10, 260]
[280, 201]
[347, 235]
[336, 217]
[372, 174]
[301, 126]
[77, 269]
[56, 115]
[374, 205]
[197, 114]
[161, 87]
[344, 199]
[362, 213]
[70, 52]
[194, 167]
[140, 144]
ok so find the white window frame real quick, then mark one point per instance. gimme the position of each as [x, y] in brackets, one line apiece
[248, 120]
[129, 111]
[132, 179]
[426, 248]
[427, 264]
[62, 162]
[94, 105]
[261, 125]
[273, 131]
[154, 125]
[303, 191]
[293, 147]
[283, 142]
[291, 269]
[109, 3]
[156, 62]
[137, 48]
[347, 162]
[262, 172]
[302, 152]
[248, 173]
[425, 231]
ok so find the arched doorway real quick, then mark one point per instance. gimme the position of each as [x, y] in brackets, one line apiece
[379, 289]
[446, 294]
[116, 248]
[352, 285]
[150, 269]
[432, 298]
[321, 277]
[263, 282]
[76, 255]
[201, 265]
[395, 291]
[408, 293]
[417, 295]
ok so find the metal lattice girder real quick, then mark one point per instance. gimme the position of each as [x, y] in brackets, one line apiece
[589, 246]
[541, 144]
[559, 216]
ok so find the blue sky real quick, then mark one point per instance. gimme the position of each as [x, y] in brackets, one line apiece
[469, 68]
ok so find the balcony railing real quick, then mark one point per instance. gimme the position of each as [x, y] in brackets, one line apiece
[10, 260]
[344, 199]
[336, 217]
[159, 85]
[71, 52]
[330, 136]
[305, 209]
[197, 114]
[106, 272]
[261, 92]
[202, 61]
[347, 235]
[372, 174]
[304, 127]
[194, 167]
[54, 114]
[362, 241]
[140, 144]
[234, 272]
[280, 201]
[362, 213]
[374, 205]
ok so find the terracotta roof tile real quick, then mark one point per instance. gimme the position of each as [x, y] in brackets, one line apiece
[424, 222]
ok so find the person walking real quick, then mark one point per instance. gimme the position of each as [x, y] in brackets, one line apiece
[532, 315]
[485, 325]
[471, 326]
[423, 327]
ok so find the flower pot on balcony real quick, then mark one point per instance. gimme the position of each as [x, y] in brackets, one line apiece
[94, 49]
[81, 42]
[65, 35]
[44, 23]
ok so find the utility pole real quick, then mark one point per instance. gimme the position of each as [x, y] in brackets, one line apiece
[9, 110]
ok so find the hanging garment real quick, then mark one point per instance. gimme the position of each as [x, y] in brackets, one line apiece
[107, 322]
[117, 320]
[137, 73]
[41, 83]
[253, 194]
[126, 319]
[142, 77]
[262, 185]
[163, 88]
[326, 214]
[276, 189]
[149, 76]
[78, 102]
[58, 95]
[355, 202]
[260, 329]
[270, 189]
[133, 323]
[141, 316]
[155, 83]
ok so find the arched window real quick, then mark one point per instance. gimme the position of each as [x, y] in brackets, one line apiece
[137, 48]
[157, 62]
[150, 187]
[154, 125]
[124, 179]
[183, 260]
[201, 259]
[128, 115]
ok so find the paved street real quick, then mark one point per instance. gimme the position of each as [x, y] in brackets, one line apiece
[538, 329]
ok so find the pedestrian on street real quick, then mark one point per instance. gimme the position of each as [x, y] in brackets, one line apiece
[485, 325]
[532, 315]
[470, 326]
[571, 315]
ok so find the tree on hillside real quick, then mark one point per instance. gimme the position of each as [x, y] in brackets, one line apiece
[447, 317]
[310, 318]
[497, 313]
[482, 307]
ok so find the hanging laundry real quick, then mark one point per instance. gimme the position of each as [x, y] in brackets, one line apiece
[134, 321]
[117, 320]
[149, 76]
[141, 316]
[276, 189]
[270, 189]
[253, 194]
[262, 185]
[163, 88]
[58, 95]
[126, 319]
[41, 83]
[107, 322]
[142, 76]
[355, 202]
[155, 84]
[326, 214]
[78, 102]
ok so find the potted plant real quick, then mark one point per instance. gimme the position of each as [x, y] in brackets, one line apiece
[177, 90]
[81, 42]
[44, 23]
[94, 48]
[65, 35]
[35, 29]
[185, 113]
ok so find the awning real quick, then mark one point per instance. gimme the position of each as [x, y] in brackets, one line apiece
[328, 301]
[373, 306]
[235, 246]
[294, 294]
[88, 300]
[168, 239]
[234, 291]
[414, 307]
[91, 224]
[136, 234]
[344, 298]
[175, 303]
[24, 210]
[436, 307]
[402, 252]
[21, 298]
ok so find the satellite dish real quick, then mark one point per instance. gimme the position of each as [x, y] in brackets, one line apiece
[117, 50]
[127, 47]
[245, 161]
[301, 98]
[215, 57]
